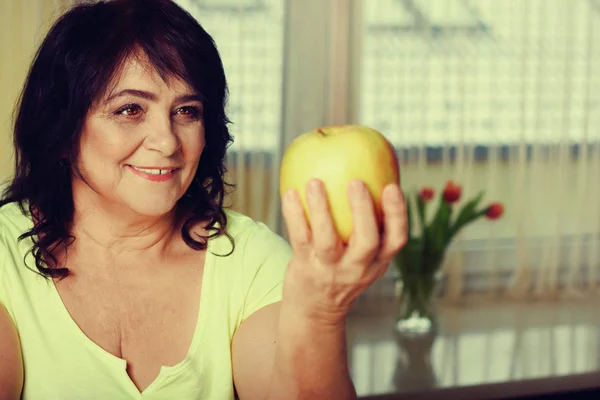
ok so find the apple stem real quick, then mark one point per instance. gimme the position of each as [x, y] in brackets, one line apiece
[321, 132]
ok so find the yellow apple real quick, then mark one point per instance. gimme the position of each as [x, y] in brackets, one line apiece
[336, 155]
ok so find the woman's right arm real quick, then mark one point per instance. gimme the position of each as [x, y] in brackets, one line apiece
[11, 361]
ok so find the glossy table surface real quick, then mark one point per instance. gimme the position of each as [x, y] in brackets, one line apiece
[486, 349]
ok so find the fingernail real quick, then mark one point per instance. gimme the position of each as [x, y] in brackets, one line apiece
[313, 186]
[356, 186]
[288, 195]
[393, 194]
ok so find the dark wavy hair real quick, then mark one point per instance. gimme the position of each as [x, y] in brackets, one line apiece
[77, 60]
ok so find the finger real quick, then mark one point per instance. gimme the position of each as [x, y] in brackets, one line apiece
[364, 241]
[395, 223]
[325, 239]
[295, 221]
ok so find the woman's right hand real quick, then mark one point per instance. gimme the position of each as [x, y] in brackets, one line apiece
[11, 360]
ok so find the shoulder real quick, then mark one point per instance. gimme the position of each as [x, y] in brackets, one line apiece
[258, 262]
[13, 221]
[241, 224]
[247, 232]
[255, 245]
[238, 223]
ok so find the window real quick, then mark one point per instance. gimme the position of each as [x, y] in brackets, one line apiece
[440, 74]
[249, 36]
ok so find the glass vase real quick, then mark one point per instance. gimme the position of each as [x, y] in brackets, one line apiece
[415, 297]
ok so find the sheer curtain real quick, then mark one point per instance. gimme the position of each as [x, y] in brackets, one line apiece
[501, 96]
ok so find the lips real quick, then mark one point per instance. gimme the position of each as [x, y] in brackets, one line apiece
[155, 174]
[153, 171]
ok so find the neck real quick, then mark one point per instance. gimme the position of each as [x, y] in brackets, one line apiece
[113, 236]
[123, 232]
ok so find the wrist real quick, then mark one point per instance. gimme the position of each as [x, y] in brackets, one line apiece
[313, 302]
[320, 320]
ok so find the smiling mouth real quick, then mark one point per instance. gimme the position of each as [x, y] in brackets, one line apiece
[154, 171]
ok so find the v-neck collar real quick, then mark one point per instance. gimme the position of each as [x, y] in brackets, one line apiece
[120, 363]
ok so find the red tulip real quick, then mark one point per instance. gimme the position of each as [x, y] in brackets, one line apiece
[426, 194]
[494, 211]
[451, 192]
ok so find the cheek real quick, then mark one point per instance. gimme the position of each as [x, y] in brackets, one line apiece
[192, 149]
[193, 146]
[101, 156]
[103, 143]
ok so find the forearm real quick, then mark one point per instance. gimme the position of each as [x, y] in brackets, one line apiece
[310, 360]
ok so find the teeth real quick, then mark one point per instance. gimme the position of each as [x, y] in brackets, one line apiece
[152, 171]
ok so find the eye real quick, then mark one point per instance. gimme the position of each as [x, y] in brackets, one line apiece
[130, 110]
[189, 112]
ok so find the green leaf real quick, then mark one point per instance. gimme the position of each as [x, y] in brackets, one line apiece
[443, 226]
[476, 215]
[437, 233]
[409, 216]
[421, 211]
[466, 215]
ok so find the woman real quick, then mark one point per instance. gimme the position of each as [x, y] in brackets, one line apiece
[120, 269]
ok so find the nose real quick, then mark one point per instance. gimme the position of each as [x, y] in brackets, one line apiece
[162, 137]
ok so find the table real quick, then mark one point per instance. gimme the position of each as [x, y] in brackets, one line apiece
[484, 350]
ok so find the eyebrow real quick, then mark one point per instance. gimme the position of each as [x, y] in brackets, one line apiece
[151, 96]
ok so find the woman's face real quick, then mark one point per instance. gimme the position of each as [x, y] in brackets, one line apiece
[141, 143]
